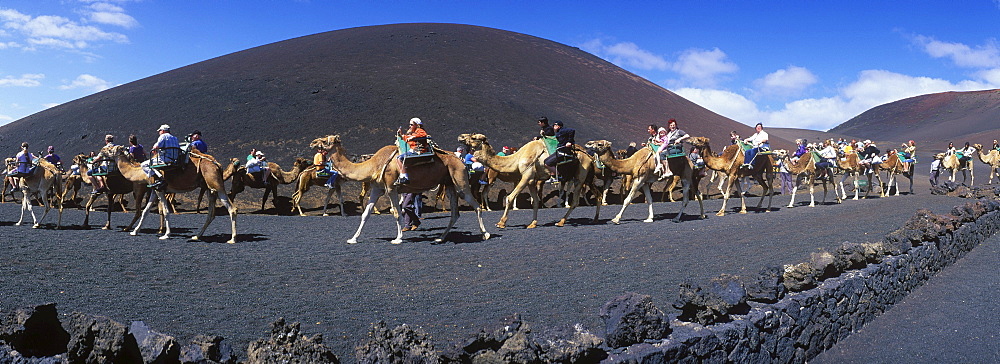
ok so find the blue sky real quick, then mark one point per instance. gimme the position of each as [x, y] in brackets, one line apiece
[806, 64]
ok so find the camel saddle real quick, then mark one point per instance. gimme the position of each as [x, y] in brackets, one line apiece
[415, 157]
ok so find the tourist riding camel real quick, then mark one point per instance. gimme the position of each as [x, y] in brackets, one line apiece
[893, 166]
[317, 175]
[382, 171]
[197, 171]
[954, 164]
[848, 164]
[991, 159]
[806, 165]
[266, 175]
[115, 184]
[528, 162]
[731, 163]
[37, 176]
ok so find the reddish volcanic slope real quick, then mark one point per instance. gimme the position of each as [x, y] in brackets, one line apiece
[365, 82]
[932, 120]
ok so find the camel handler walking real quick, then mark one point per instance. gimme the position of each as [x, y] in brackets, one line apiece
[416, 138]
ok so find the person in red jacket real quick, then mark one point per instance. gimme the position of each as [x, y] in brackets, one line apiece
[416, 139]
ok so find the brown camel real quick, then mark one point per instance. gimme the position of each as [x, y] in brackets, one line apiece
[71, 182]
[639, 168]
[116, 184]
[274, 176]
[730, 164]
[894, 166]
[382, 170]
[953, 165]
[849, 164]
[806, 165]
[199, 170]
[991, 159]
[307, 178]
[528, 161]
[44, 177]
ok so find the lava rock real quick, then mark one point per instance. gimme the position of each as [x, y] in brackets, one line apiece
[206, 349]
[98, 339]
[799, 277]
[34, 331]
[766, 286]
[723, 296]
[288, 345]
[402, 344]
[632, 318]
[156, 348]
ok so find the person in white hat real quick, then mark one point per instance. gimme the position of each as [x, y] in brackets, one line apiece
[165, 152]
[257, 167]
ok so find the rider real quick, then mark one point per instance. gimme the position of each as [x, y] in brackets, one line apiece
[197, 143]
[759, 142]
[25, 160]
[967, 154]
[566, 138]
[909, 154]
[167, 152]
[101, 168]
[546, 130]
[669, 144]
[135, 149]
[800, 150]
[869, 154]
[257, 167]
[322, 164]
[416, 138]
[654, 139]
[53, 158]
[828, 155]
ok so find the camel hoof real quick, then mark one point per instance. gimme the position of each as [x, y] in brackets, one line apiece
[616, 221]
[703, 217]
[532, 225]
[195, 238]
[35, 226]
[164, 237]
[438, 241]
[676, 219]
[396, 241]
[790, 206]
[812, 205]
[106, 228]
[743, 211]
[486, 236]
[648, 220]
[231, 242]
[352, 241]
[133, 233]
[720, 214]
[326, 214]
[561, 223]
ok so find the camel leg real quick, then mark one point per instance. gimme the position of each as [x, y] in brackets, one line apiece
[479, 216]
[44, 196]
[138, 195]
[263, 200]
[573, 202]
[86, 210]
[153, 199]
[725, 199]
[812, 190]
[636, 185]
[340, 200]
[25, 206]
[453, 200]
[232, 215]
[512, 197]
[108, 224]
[212, 195]
[375, 193]
[600, 200]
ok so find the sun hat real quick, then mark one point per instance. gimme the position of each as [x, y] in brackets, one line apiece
[416, 121]
[164, 127]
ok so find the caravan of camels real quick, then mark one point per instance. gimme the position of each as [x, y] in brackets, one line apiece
[416, 165]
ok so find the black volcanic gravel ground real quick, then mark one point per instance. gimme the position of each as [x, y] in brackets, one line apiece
[301, 269]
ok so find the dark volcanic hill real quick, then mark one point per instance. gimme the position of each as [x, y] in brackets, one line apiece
[932, 120]
[364, 83]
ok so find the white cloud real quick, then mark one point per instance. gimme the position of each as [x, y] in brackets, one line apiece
[990, 76]
[984, 56]
[872, 88]
[86, 81]
[6, 45]
[107, 13]
[790, 81]
[26, 80]
[626, 54]
[55, 31]
[703, 67]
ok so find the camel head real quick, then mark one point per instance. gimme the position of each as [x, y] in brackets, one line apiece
[475, 141]
[780, 153]
[599, 146]
[939, 156]
[11, 162]
[978, 146]
[699, 142]
[326, 142]
[80, 159]
[302, 163]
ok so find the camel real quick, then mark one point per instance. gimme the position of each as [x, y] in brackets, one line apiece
[894, 166]
[307, 178]
[382, 170]
[952, 164]
[43, 177]
[275, 176]
[200, 170]
[991, 159]
[805, 165]
[640, 167]
[528, 162]
[848, 163]
[116, 184]
[730, 164]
